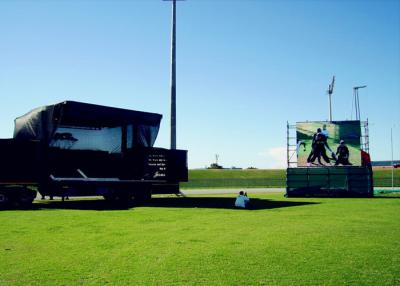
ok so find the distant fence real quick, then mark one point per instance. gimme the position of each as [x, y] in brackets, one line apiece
[386, 182]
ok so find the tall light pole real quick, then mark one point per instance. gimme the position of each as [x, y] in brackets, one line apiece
[173, 76]
[330, 91]
[357, 101]
[391, 144]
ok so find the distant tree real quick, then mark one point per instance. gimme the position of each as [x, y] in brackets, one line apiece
[252, 168]
[215, 166]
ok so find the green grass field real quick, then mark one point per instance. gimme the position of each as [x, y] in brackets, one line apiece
[263, 178]
[203, 241]
[235, 178]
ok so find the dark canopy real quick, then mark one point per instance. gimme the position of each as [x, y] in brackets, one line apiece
[54, 122]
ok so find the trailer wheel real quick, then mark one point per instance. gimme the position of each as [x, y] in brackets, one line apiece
[3, 199]
[143, 195]
[119, 198]
[110, 198]
[26, 197]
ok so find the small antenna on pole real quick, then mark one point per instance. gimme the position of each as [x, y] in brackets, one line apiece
[330, 91]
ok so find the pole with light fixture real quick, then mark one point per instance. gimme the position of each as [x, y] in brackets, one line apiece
[357, 101]
[173, 76]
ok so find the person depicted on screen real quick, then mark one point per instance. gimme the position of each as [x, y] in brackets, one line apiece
[313, 147]
[326, 134]
[325, 131]
[343, 154]
[319, 146]
[299, 144]
[242, 200]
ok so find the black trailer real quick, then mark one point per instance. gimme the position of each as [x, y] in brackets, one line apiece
[80, 149]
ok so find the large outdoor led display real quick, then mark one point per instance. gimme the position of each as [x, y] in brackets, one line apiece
[335, 143]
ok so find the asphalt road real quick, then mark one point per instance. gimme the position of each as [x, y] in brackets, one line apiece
[201, 192]
[233, 191]
[221, 191]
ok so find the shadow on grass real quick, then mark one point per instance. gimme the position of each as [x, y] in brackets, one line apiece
[97, 205]
[179, 202]
[220, 203]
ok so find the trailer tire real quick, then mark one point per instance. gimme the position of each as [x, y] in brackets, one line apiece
[118, 197]
[26, 198]
[4, 200]
[110, 197]
[143, 196]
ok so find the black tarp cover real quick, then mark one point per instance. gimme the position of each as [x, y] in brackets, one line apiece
[77, 125]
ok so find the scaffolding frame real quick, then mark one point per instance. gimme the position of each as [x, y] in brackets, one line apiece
[291, 146]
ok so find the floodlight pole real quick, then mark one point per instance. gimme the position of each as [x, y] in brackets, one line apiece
[330, 91]
[173, 76]
[391, 143]
[357, 101]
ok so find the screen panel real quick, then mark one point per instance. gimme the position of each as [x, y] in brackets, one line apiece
[319, 143]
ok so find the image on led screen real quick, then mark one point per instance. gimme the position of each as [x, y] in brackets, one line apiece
[321, 143]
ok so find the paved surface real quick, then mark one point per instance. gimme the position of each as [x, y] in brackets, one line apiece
[199, 192]
[233, 191]
[221, 191]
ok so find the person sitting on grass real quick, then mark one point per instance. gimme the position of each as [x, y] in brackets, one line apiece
[242, 201]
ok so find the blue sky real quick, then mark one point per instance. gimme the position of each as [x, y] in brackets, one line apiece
[244, 68]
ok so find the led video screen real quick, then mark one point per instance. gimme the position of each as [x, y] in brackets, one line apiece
[321, 143]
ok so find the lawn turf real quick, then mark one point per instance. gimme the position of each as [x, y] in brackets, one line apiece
[203, 241]
[217, 178]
